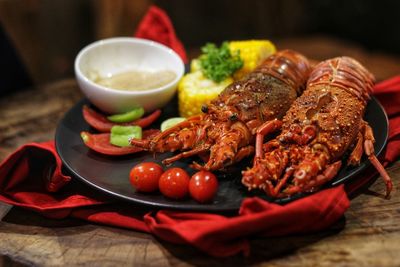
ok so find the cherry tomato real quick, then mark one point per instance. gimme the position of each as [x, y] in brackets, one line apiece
[203, 186]
[174, 183]
[144, 176]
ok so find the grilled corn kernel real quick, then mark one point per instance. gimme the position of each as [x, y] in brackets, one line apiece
[195, 65]
[194, 90]
[252, 52]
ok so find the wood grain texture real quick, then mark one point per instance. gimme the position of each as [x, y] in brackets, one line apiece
[33, 115]
[368, 235]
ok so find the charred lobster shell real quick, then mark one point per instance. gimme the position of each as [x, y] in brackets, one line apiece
[323, 124]
[224, 134]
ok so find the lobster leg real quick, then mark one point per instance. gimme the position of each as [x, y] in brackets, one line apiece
[141, 143]
[283, 181]
[357, 152]
[185, 154]
[263, 130]
[369, 141]
[243, 152]
[330, 172]
[268, 188]
[150, 144]
[271, 145]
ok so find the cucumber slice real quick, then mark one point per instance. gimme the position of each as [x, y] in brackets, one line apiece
[171, 122]
[129, 116]
[120, 135]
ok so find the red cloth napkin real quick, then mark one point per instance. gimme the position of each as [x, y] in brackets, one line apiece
[157, 26]
[32, 178]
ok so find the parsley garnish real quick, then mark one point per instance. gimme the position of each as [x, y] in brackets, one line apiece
[218, 63]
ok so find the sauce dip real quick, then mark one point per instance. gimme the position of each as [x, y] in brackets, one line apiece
[136, 80]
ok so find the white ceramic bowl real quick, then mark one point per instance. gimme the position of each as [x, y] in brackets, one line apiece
[108, 57]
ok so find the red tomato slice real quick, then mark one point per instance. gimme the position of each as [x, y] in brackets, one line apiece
[102, 124]
[101, 143]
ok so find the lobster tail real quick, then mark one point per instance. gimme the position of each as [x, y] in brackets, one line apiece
[346, 73]
[288, 66]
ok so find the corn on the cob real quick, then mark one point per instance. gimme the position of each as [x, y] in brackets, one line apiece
[194, 90]
[252, 52]
[195, 65]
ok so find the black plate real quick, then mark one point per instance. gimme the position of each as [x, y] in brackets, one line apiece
[110, 174]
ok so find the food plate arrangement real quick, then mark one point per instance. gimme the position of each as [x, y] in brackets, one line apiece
[247, 120]
[109, 174]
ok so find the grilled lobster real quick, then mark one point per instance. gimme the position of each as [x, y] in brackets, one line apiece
[322, 124]
[225, 132]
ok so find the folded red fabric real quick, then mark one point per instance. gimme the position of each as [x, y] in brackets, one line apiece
[223, 236]
[31, 177]
[157, 26]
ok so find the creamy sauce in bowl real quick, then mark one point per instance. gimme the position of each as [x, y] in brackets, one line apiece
[137, 80]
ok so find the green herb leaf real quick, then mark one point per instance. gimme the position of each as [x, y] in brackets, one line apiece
[218, 63]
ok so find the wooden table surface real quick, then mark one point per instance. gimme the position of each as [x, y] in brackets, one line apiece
[368, 235]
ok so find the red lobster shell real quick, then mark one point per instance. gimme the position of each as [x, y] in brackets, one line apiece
[224, 134]
[321, 125]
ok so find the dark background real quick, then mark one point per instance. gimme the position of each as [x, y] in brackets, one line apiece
[40, 38]
[374, 24]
